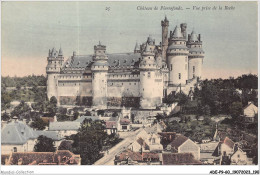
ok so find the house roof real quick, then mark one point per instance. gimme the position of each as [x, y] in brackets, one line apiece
[66, 125]
[135, 156]
[124, 121]
[150, 155]
[178, 141]
[250, 104]
[229, 142]
[17, 132]
[60, 157]
[114, 60]
[179, 159]
[110, 124]
[54, 135]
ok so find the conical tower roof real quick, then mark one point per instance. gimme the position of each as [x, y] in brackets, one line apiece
[194, 36]
[177, 32]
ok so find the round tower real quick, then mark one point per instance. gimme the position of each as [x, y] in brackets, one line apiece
[55, 61]
[99, 77]
[151, 89]
[165, 25]
[196, 55]
[177, 58]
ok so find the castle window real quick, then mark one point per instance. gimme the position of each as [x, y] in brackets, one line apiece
[143, 89]
[129, 83]
[111, 83]
[149, 74]
[15, 149]
[193, 69]
[122, 83]
[135, 84]
[179, 75]
[127, 89]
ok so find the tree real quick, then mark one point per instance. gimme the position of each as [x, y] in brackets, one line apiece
[38, 124]
[235, 109]
[62, 110]
[115, 114]
[22, 110]
[100, 112]
[5, 100]
[89, 141]
[5, 117]
[44, 144]
[65, 145]
[52, 106]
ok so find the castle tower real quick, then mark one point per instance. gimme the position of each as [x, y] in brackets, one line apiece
[55, 61]
[177, 58]
[137, 48]
[151, 90]
[196, 55]
[165, 25]
[99, 77]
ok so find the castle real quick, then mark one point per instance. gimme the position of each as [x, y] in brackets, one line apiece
[141, 79]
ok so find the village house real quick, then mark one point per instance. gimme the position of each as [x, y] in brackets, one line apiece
[124, 124]
[16, 136]
[206, 151]
[182, 144]
[250, 112]
[66, 128]
[239, 157]
[179, 159]
[151, 138]
[60, 157]
[129, 157]
[54, 135]
[111, 127]
[225, 148]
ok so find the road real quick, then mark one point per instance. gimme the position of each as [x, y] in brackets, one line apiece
[108, 159]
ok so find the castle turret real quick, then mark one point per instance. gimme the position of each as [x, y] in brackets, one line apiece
[55, 61]
[99, 77]
[196, 55]
[151, 84]
[165, 25]
[177, 58]
[137, 48]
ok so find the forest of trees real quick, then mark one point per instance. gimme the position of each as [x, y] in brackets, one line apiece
[27, 81]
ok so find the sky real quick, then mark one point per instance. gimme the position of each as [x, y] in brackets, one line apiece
[30, 29]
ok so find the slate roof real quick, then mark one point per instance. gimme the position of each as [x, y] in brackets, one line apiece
[54, 135]
[178, 141]
[114, 60]
[66, 125]
[17, 132]
[44, 158]
[179, 159]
